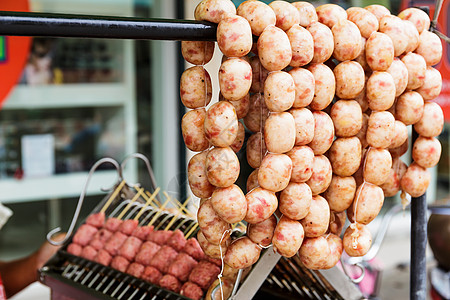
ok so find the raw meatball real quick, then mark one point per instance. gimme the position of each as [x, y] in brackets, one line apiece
[316, 221]
[432, 121]
[377, 164]
[412, 36]
[304, 125]
[304, 87]
[340, 193]
[229, 203]
[392, 184]
[191, 290]
[416, 180]
[361, 135]
[347, 40]
[212, 226]
[367, 204]
[258, 14]
[261, 205]
[235, 78]
[261, 233]
[330, 14]
[350, 79]
[430, 47]
[234, 36]
[345, 156]
[323, 133]
[239, 140]
[287, 14]
[259, 75]
[214, 10]
[399, 151]
[279, 132]
[394, 27]
[242, 253]
[222, 167]
[275, 172]
[399, 73]
[197, 52]
[417, 67]
[288, 237]
[337, 222]
[295, 200]
[274, 58]
[380, 129]
[426, 151]
[347, 118]
[432, 84]
[380, 91]
[357, 241]
[241, 106]
[325, 86]
[418, 17]
[409, 108]
[307, 13]
[302, 158]
[192, 130]
[221, 124]
[400, 134]
[379, 51]
[279, 91]
[252, 180]
[195, 87]
[211, 250]
[336, 248]
[257, 114]
[254, 152]
[198, 181]
[364, 19]
[321, 175]
[315, 253]
[302, 45]
[323, 42]
[379, 11]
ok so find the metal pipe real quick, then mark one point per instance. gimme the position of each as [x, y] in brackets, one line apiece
[418, 271]
[85, 26]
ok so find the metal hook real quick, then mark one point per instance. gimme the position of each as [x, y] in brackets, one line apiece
[360, 266]
[149, 169]
[81, 199]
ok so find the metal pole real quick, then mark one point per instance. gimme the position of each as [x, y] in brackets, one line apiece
[418, 272]
[84, 26]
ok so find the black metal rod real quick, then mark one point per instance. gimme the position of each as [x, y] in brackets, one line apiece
[84, 26]
[418, 271]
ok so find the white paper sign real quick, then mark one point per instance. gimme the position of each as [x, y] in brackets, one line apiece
[38, 155]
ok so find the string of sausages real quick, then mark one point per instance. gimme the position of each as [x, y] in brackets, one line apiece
[327, 95]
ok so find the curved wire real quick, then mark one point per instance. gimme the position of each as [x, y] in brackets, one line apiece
[147, 164]
[360, 266]
[81, 199]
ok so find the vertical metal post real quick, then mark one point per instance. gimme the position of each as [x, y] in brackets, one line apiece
[418, 271]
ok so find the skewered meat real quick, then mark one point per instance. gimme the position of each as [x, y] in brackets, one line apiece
[204, 274]
[128, 226]
[177, 240]
[130, 248]
[162, 259]
[146, 253]
[84, 234]
[120, 263]
[115, 242]
[96, 220]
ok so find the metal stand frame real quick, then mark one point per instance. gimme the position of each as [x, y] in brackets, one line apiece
[82, 26]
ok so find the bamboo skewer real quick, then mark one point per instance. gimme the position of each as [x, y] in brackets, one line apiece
[160, 210]
[192, 230]
[175, 217]
[113, 196]
[138, 194]
[148, 201]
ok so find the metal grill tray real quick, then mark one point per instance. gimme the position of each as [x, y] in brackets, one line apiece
[78, 278]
